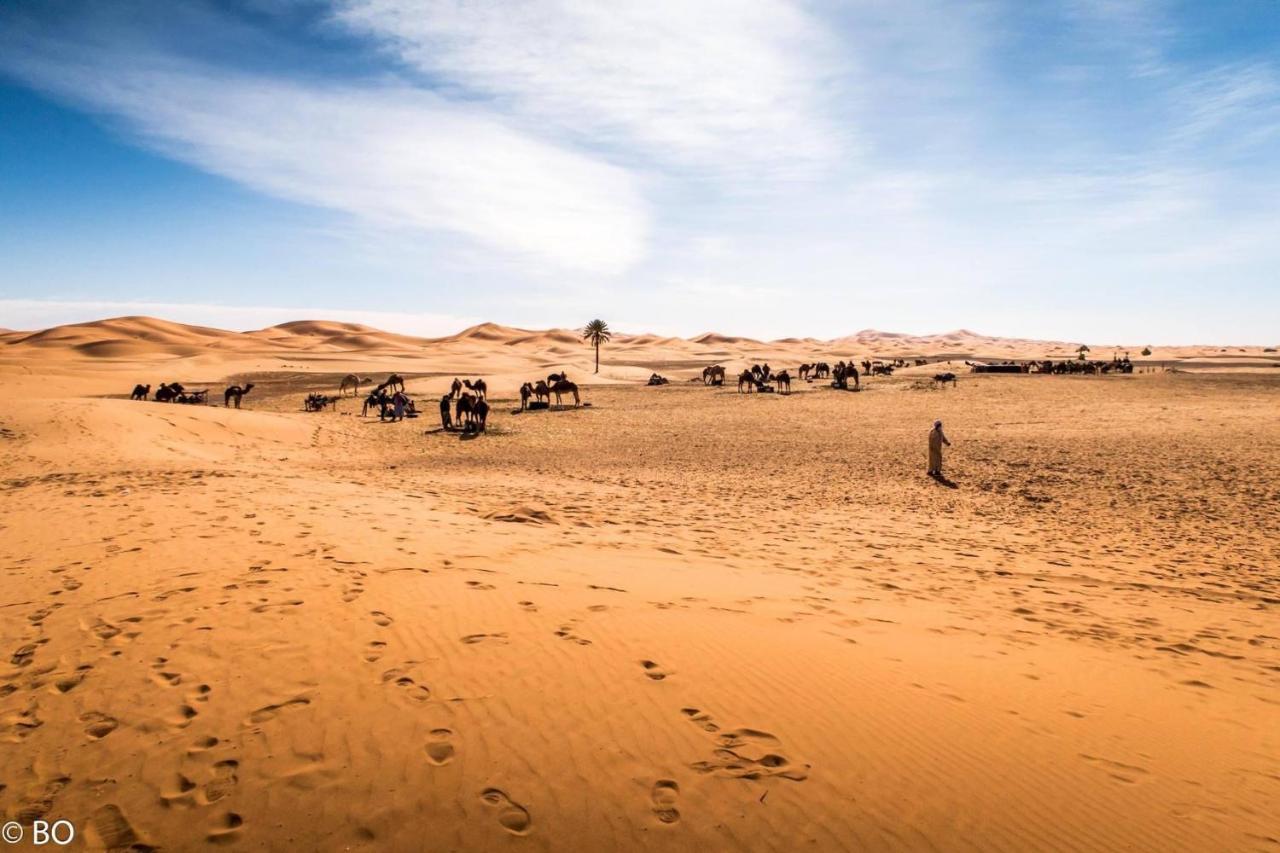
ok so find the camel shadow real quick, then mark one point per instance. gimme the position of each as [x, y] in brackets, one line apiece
[942, 480]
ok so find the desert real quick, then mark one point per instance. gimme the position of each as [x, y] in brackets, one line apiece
[678, 618]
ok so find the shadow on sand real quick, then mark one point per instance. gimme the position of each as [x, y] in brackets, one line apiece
[942, 480]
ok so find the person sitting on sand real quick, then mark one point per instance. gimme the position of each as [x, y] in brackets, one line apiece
[446, 421]
[936, 440]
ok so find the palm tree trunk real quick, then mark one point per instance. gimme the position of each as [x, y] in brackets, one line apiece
[597, 356]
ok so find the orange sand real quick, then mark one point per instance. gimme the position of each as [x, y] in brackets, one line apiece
[681, 618]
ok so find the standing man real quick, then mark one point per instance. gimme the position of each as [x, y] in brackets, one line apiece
[936, 440]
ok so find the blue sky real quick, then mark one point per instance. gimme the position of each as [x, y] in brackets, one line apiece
[1096, 170]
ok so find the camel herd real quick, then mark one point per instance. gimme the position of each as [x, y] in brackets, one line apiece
[176, 392]
[541, 391]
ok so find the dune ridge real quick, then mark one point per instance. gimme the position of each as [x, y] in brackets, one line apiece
[137, 337]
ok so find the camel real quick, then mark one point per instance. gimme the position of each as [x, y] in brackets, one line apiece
[564, 386]
[943, 378]
[318, 402]
[377, 397]
[349, 381]
[235, 392]
[803, 372]
[478, 386]
[557, 377]
[479, 415]
[842, 374]
[783, 381]
[140, 392]
[395, 381]
[541, 392]
[821, 370]
[526, 391]
[746, 378]
[456, 388]
[711, 374]
[464, 411]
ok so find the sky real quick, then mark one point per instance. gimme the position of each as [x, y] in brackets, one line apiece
[1090, 170]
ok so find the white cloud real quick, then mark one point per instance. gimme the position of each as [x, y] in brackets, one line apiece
[719, 85]
[398, 157]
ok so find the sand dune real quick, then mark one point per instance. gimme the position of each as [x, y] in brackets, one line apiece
[678, 619]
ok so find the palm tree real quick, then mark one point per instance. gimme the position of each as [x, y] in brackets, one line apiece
[596, 333]
[1082, 349]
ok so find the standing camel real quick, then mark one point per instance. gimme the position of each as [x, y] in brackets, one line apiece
[140, 392]
[783, 381]
[711, 374]
[394, 381]
[456, 388]
[564, 386]
[526, 391]
[481, 389]
[235, 392]
[349, 381]
[748, 379]
[541, 392]
[464, 411]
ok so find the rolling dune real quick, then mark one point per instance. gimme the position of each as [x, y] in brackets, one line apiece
[680, 618]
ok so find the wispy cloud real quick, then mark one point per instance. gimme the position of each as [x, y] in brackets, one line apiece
[718, 86]
[399, 157]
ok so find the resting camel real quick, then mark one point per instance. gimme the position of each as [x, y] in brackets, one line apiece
[783, 381]
[943, 378]
[235, 392]
[349, 381]
[542, 392]
[746, 378]
[456, 388]
[140, 392]
[526, 391]
[377, 397]
[711, 374]
[481, 389]
[564, 386]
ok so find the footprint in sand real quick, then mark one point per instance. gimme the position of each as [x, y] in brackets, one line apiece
[472, 639]
[373, 651]
[270, 712]
[513, 817]
[653, 671]
[98, 725]
[663, 796]
[226, 775]
[381, 619]
[70, 682]
[414, 690]
[109, 829]
[225, 829]
[700, 718]
[440, 749]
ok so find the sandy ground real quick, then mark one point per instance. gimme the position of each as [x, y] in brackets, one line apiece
[680, 618]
